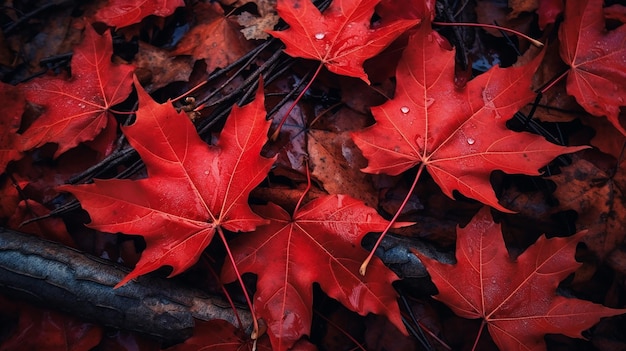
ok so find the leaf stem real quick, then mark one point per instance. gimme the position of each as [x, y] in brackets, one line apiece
[366, 262]
[480, 331]
[255, 324]
[198, 86]
[306, 190]
[551, 83]
[492, 26]
[295, 102]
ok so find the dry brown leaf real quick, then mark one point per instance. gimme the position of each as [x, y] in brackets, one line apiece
[597, 198]
[216, 38]
[336, 162]
[156, 68]
[519, 6]
[255, 28]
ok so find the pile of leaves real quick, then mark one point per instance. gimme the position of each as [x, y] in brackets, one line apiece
[263, 147]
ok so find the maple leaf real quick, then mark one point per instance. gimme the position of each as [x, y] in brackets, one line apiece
[219, 335]
[341, 38]
[12, 105]
[320, 243]
[216, 39]
[515, 297]
[191, 189]
[122, 13]
[77, 109]
[597, 78]
[458, 135]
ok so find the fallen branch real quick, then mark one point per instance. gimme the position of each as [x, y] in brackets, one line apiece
[55, 276]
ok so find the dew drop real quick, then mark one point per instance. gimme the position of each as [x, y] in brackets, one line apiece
[81, 105]
[429, 102]
[404, 109]
[320, 36]
[206, 172]
[471, 141]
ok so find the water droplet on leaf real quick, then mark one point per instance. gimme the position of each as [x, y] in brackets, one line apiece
[404, 109]
[320, 36]
[429, 102]
[471, 141]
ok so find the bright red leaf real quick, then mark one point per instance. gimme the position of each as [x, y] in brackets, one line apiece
[341, 38]
[516, 297]
[77, 109]
[320, 243]
[122, 13]
[459, 135]
[191, 189]
[597, 78]
[12, 105]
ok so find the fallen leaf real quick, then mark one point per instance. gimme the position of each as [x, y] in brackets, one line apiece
[615, 12]
[335, 162]
[157, 68]
[257, 28]
[215, 39]
[596, 198]
[320, 243]
[192, 188]
[52, 228]
[12, 103]
[122, 13]
[342, 38]
[515, 297]
[78, 109]
[548, 11]
[597, 78]
[458, 135]
[47, 330]
[219, 335]
[519, 6]
[391, 10]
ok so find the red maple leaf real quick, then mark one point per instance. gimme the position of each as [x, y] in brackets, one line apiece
[192, 188]
[77, 109]
[122, 13]
[597, 78]
[219, 335]
[459, 135]
[320, 243]
[516, 298]
[341, 38]
[12, 105]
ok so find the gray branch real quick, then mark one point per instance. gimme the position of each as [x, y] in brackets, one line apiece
[68, 280]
